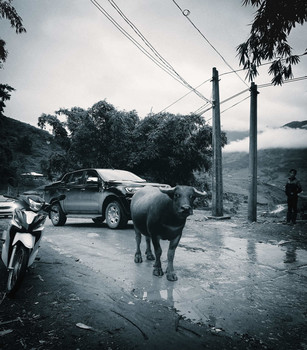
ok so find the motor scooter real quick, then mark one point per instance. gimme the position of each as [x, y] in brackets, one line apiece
[21, 240]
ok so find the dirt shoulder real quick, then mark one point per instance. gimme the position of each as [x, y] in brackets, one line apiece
[64, 304]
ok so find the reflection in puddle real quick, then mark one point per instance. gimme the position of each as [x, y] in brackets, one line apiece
[232, 284]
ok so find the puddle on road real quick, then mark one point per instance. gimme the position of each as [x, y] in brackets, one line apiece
[234, 284]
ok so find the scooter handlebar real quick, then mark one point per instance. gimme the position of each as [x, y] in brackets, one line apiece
[48, 207]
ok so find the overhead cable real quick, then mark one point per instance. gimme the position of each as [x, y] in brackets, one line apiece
[121, 29]
[182, 97]
[186, 15]
[161, 58]
[293, 80]
[200, 112]
[245, 98]
[162, 63]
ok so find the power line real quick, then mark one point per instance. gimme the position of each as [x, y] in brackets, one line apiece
[234, 96]
[260, 65]
[161, 58]
[182, 97]
[198, 111]
[121, 29]
[162, 63]
[293, 80]
[235, 104]
[186, 14]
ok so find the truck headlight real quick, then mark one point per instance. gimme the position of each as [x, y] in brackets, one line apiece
[131, 189]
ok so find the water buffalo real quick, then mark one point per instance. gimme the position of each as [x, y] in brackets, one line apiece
[161, 214]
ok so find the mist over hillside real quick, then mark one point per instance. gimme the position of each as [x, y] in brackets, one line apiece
[233, 135]
[292, 135]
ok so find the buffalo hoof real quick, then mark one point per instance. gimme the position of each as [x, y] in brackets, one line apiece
[138, 258]
[171, 276]
[149, 255]
[157, 271]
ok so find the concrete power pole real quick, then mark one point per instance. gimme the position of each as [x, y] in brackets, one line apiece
[252, 178]
[217, 179]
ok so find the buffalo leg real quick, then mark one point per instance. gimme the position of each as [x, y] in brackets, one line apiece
[170, 274]
[148, 251]
[138, 254]
[157, 271]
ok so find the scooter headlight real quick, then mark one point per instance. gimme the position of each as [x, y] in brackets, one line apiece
[35, 206]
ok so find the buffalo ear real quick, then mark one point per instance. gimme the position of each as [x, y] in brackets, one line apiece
[200, 194]
[169, 191]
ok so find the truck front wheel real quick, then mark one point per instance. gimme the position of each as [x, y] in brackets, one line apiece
[115, 216]
[57, 217]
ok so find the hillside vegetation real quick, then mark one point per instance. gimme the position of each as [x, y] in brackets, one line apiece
[162, 148]
[272, 174]
[30, 147]
[23, 148]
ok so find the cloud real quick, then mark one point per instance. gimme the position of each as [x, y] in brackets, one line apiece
[272, 138]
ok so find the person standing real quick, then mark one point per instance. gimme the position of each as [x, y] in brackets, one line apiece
[292, 189]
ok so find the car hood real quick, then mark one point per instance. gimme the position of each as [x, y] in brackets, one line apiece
[135, 184]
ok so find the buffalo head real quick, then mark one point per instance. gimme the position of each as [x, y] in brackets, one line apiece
[183, 198]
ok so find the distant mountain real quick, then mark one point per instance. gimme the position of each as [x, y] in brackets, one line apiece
[297, 125]
[240, 135]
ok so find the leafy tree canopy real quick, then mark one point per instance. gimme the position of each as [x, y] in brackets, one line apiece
[98, 137]
[169, 148]
[268, 39]
[5, 95]
[7, 11]
[165, 147]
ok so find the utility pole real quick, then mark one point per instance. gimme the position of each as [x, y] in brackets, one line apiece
[217, 179]
[252, 177]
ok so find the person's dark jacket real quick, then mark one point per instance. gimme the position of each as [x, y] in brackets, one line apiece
[293, 188]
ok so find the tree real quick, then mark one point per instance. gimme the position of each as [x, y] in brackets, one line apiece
[7, 11]
[164, 148]
[268, 39]
[58, 129]
[169, 148]
[5, 95]
[98, 137]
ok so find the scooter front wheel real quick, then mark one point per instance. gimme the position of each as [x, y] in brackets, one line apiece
[18, 269]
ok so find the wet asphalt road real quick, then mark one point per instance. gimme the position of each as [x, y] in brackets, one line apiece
[230, 281]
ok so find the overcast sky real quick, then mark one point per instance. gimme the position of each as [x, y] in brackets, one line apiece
[72, 55]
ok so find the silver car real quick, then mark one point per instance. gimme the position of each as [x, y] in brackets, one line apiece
[7, 206]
